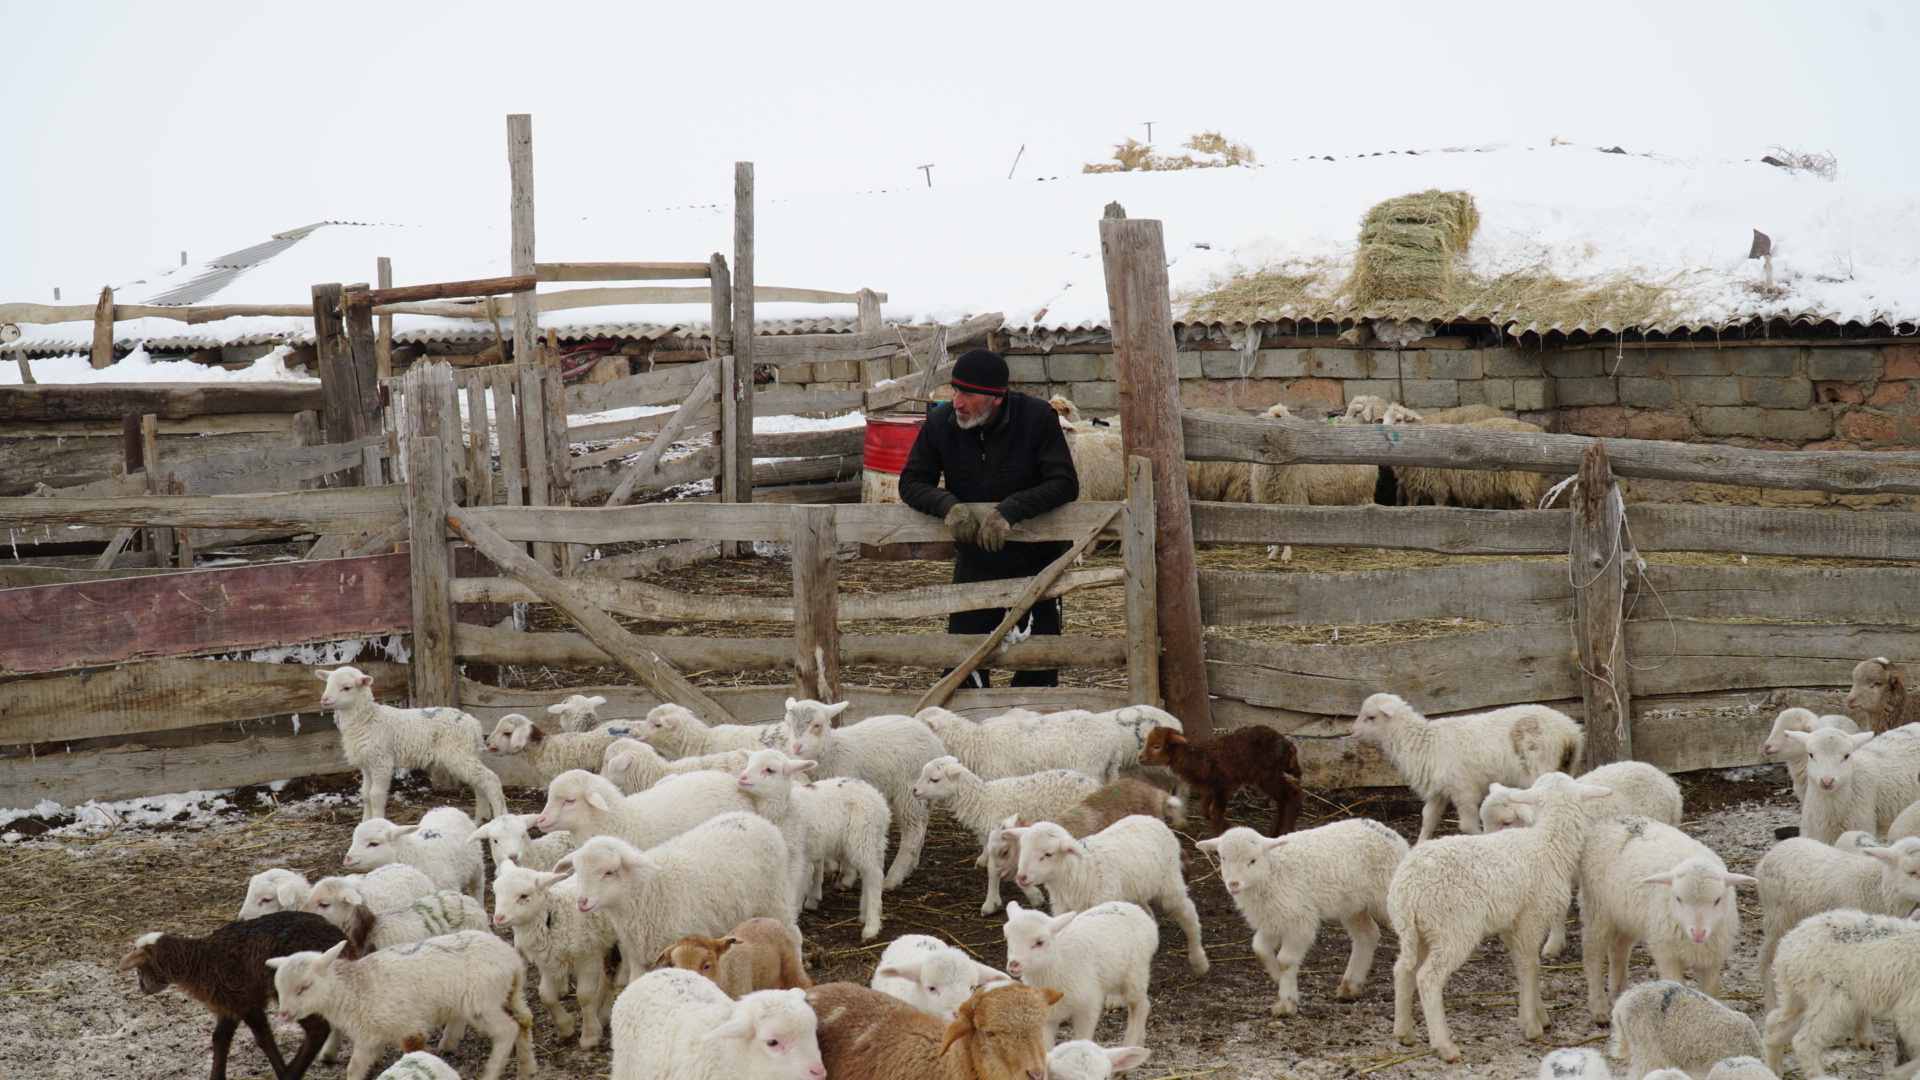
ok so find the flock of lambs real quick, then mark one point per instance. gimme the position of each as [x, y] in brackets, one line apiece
[674, 859]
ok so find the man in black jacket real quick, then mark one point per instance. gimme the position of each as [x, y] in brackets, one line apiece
[1000, 447]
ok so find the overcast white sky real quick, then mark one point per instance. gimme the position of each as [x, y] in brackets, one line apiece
[135, 130]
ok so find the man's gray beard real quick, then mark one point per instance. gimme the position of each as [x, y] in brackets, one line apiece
[978, 420]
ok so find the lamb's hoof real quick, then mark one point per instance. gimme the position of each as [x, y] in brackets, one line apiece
[1285, 1008]
[1406, 1040]
[1451, 1057]
[989, 909]
[1346, 991]
[1199, 964]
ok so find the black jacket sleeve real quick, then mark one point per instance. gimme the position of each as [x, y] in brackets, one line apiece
[1059, 482]
[920, 477]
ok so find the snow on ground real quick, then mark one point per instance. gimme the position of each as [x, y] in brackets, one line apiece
[138, 367]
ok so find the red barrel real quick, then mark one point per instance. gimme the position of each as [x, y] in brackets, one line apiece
[889, 440]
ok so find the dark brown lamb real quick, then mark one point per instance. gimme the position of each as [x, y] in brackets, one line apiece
[1254, 755]
[227, 972]
[1879, 694]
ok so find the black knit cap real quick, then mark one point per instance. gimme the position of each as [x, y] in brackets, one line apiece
[981, 371]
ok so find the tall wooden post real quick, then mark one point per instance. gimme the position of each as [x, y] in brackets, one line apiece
[360, 392]
[742, 371]
[816, 583]
[160, 541]
[1135, 255]
[383, 347]
[871, 371]
[430, 570]
[1143, 627]
[526, 309]
[729, 481]
[103, 329]
[1598, 567]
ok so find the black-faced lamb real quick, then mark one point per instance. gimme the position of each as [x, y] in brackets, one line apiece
[378, 739]
[227, 972]
[1454, 759]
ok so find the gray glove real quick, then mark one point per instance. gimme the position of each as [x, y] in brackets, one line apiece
[963, 523]
[993, 531]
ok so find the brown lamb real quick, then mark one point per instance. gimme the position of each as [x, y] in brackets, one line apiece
[759, 954]
[227, 972]
[1879, 694]
[1254, 755]
[1122, 798]
[867, 1035]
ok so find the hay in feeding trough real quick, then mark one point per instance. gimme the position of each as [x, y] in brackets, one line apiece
[1408, 244]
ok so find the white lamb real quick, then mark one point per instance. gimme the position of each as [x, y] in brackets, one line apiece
[1664, 1025]
[839, 819]
[564, 943]
[378, 739]
[1794, 754]
[634, 766]
[1644, 880]
[1098, 957]
[1836, 971]
[278, 889]
[1740, 1068]
[676, 733]
[548, 755]
[578, 713]
[589, 805]
[439, 846]
[1859, 781]
[510, 836]
[885, 751]
[1083, 1059]
[442, 912]
[391, 886]
[1800, 878]
[931, 975]
[1100, 745]
[1575, 1063]
[672, 1024]
[1286, 886]
[1309, 485]
[1136, 859]
[981, 805]
[452, 980]
[1454, 759]
[1451, 892]
[728, 870]
[419, 1065]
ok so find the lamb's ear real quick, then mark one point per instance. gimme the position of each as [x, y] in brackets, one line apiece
[1122, 1058]
[1062, 921]
[518, 740]
[364, 681]
[274, 962]
[960, 1028]
[564, 866]
[1524, 796]
[1176, 738]
[1884, 854]
[322, 675]
[739, 1027]
[404, 830]
[288, 894]
[1800, 737]
[638, 860]
[352, 896]
[990, 974]
[618, 763]
[140, 956]
[836, 710]
[596, 701]
[1861, 739]
[791, 702]
[331, 956]
[902, 969]
[598, 800]
[1741, 879]
[543, 881]
[665, 959]
[1271, 844]
[794, 767]
[1658, 879]
[1014, 908]
[1211, 847]
[1594, 791]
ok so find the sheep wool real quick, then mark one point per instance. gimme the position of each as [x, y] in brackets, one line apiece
[931, 975]
[378, 739]
[1100, 956]
[1454, 759]
[589, 805]
[566, 945]
[885, 751]
[1136, 859]
[634, 766]
[1286, 886]
[675, 1025]
[1800, 878]
[1083, 1059]
[1664, 1025]
[439, 846]
[1575, 1063]
[676, 733]
[981, 805]
[1835, 970]
[1859, 781]
[510, 836]
[839, 819]
[548, 755]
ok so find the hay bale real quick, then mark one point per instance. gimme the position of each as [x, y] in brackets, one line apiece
[1408, 244]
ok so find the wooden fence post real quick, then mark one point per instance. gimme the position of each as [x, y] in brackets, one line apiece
[1597, 562]
[742, 382]
[727, 440]
[1143, 629]
[159, 541]
[383, 347]
[431, 571]
[360, 396]
[816, 583]
[103, 329]
[533, 442]
[872, 371]
[526, 309]
[1134, 253]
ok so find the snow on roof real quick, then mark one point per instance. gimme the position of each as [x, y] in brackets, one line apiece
[1844, 251]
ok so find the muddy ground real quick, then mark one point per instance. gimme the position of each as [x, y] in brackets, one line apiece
[70, 905]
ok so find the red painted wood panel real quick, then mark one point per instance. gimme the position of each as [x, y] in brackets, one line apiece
[82, 624]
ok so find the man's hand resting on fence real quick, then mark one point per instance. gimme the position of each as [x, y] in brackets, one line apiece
[964, 524]
[993, 531]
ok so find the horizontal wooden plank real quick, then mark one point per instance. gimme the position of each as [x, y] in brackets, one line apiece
[1540, 592]
[336, 510]
[868, 524]
[1690, 656]
[21, 576]
[201, 611]
[276, 469]
[837, 491]
[1835, 534]
[58, 313]
[785, 402]
[650, 561]
[620, 271]
[166, 694]
[131, 771]
[1212, 437]
[491, 645]
[642, 601]
[666, 385]
[767, 704]
[1473, 670]
[234, 424]
[170, 401]
[494, 286]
